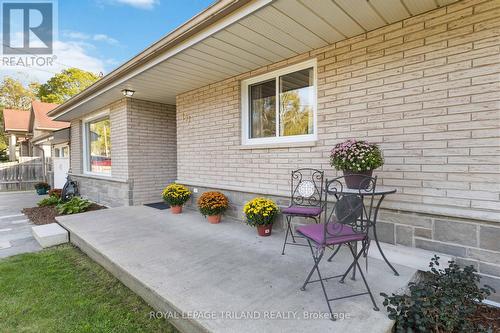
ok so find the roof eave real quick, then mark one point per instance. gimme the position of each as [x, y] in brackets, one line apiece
[196, 24]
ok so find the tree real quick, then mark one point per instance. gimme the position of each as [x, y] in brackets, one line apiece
[14, 95]
[63, 85]
[3, 139]
[295, 118]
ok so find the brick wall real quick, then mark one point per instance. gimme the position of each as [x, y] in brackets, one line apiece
[143, 154]
[118, 119]
[152, 153]
[75, 157]
[426, 89]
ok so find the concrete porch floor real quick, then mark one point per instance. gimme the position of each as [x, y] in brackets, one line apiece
[215, 273]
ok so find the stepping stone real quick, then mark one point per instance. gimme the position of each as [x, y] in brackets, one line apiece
[5, 245]
[50, 234]
[19, 221]
[11, 216]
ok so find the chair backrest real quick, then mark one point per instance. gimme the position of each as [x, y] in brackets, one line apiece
[350, 207]
[306, 187]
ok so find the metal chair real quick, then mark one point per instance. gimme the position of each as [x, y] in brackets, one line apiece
[347, 223]
[305, 200]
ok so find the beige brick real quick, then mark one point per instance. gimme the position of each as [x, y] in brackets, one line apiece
[424, 88]
[448, 68]
[489, 24]
[478, 17]
[492, 59]
[486, 6]
[421, 34]
[482, 38]
[447, 34]
[448, 119]
[459, 14]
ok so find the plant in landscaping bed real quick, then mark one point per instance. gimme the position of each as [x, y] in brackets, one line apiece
[176, 195]
[443, 301]
[260, 213]
[355, 157]
[42, 188]
[213, 204]
[56, 192]
[52, 200]
[73, 206]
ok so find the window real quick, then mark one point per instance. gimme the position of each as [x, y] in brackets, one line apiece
[98, 146]
[280, 106]
[65, 152]
[56, 152]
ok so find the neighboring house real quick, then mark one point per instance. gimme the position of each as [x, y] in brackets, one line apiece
[16, 127]
[42, 127]
[50, 138]
[34, 134]
[212, 103]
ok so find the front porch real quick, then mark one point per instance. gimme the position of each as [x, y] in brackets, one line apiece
[219, 274]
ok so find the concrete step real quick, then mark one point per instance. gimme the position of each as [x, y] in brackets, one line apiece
[408, 256]
[50, 234]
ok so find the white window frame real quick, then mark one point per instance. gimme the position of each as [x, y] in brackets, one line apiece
[85, 150]
[245, 114]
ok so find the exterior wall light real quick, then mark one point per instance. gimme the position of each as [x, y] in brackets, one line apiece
[128, 92]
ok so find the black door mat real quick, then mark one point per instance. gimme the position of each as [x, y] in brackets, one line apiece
[158, 205]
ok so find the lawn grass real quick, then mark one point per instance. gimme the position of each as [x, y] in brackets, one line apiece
[62, 290]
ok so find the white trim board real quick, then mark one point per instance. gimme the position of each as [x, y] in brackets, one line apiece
[221, 24]
[245, 111]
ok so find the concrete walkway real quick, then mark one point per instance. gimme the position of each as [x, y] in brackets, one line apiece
[220, 276]
[15, 228]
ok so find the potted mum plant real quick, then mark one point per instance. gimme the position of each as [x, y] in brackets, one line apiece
[212, 205]
[357, 159]
[42, 188]
[176, 195]
[260, 213]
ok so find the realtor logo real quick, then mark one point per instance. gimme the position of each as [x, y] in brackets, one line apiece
[27, 27]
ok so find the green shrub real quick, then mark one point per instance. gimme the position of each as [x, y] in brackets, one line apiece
[73, 206]
[443, 301]
[49, 201]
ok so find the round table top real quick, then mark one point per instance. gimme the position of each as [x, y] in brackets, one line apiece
[379, 190]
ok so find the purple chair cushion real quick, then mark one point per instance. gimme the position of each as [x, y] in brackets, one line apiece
[337, 233]
[302, 211]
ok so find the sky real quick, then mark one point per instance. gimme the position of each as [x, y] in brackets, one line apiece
[100, 35]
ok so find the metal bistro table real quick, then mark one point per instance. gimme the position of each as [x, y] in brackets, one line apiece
[380, 193]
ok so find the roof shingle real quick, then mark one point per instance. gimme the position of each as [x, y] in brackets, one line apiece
[42, 121]
[16, 120]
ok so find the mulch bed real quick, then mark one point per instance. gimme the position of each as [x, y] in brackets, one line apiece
[46, 215]
[488, 316]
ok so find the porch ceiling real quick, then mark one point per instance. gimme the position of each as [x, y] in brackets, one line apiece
[262, 33]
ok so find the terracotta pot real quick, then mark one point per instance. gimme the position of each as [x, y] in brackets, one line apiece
[357, 180]
[264, 230]
[214, 219]
[176, 209]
